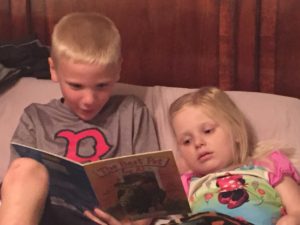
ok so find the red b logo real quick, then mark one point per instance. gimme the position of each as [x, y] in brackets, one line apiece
[72, 149]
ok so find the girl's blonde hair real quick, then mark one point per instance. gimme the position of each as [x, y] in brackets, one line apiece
[218, 105]
[264, 147]
[86, 37]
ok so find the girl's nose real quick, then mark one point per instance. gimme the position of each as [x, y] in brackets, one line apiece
[199, 141]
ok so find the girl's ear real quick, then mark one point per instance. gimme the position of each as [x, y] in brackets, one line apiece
[52, 70]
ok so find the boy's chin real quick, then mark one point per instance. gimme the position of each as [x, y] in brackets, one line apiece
[87, 117]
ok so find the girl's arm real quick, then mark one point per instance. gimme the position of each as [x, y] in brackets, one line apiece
[289, 192]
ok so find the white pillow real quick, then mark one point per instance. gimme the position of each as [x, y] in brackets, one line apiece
[273, 117]
[12, 103]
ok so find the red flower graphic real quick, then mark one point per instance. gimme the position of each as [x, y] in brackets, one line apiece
[261, 191]
[208, 196]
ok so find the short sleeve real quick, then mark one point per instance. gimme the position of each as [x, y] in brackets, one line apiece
[280, 166]
[185, 179]
[144, 132]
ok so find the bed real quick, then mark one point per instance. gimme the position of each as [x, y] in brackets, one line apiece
[171, 47]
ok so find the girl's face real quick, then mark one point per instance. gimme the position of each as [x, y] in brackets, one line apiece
[205, 145]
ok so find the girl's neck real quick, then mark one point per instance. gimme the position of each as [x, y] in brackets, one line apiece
[232, 166]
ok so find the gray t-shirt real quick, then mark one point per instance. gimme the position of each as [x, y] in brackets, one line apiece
[123, 127]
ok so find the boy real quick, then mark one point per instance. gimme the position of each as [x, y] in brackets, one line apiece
[88, 123]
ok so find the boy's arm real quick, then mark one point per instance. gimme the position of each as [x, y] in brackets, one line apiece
[25, 132]
[289, 192]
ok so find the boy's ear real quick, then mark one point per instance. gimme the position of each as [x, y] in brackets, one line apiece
[120, 61]
[52, 70]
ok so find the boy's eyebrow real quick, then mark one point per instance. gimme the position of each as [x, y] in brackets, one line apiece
[99, 84]
[103, 82]
[73, 83]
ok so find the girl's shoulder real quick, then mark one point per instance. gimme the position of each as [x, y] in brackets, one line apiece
[278, 165]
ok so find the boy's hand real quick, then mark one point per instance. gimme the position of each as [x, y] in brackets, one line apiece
[103, 218]
[100, 217]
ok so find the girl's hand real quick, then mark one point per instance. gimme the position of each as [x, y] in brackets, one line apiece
[289, 192]
[103, 218]
[288, 220]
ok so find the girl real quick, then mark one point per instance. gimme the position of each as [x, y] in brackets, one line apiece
[227, 175]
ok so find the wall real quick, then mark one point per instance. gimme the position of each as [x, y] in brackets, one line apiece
[234, 44]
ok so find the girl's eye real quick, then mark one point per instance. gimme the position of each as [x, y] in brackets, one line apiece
[208, 130]
[186, 141]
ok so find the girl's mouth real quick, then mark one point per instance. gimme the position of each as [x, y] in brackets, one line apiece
[204, 156]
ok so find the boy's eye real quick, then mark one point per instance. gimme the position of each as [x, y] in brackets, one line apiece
[75, 86]
[102, 85]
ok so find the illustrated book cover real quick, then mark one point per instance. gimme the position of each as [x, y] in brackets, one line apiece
[134, 187]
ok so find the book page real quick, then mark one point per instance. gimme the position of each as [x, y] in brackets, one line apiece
[69, 185]
[138, 186]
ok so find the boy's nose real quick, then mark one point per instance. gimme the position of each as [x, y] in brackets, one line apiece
[89, 98]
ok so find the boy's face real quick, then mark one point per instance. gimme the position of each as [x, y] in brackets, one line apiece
[85, 87]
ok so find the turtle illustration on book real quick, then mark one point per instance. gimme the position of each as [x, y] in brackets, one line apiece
[140, 193]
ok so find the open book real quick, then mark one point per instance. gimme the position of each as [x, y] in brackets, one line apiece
[136, 186]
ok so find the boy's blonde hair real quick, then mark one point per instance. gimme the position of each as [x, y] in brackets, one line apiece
[86, 37]
[218, 106]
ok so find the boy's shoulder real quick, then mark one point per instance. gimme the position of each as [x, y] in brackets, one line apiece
[125, 105]
[117, 104]
[50, 108]
[39, 105]
[114, 101]
[126, 100]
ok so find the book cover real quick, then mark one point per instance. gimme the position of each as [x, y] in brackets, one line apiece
[135, 186]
